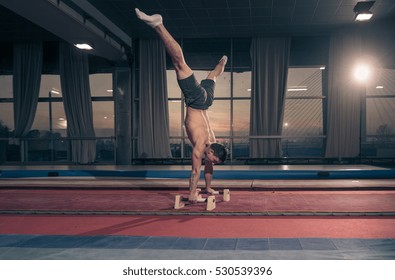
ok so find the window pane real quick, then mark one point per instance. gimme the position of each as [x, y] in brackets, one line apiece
[380, 116]
[5, 129]
[103, 118]
[41, 120]
[50, 83]
[60, 149]
[105, 150]
[173, 90]
[101, 84]
[222, 86]
[187, 149]
[242, 84]
[306, 82]
[241, 147]
[175, 118]
[7, 115]
[175, 147]
[6, 86]
[59, 122]
[241, 117]
[219, 115]
[303, 120]
[302, 117]
[8, 151]
[383, 82]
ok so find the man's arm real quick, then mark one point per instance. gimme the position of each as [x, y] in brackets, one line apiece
[197, 155]
[208, 173]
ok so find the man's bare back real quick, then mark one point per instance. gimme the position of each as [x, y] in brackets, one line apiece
[197, 125]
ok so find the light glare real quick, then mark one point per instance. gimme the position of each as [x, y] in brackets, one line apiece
[361, 72]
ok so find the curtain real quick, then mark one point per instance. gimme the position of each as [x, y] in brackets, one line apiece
[344, 97]
[74, 77]
[123, 105]
[153, 134]
[270, 58]
[26, 84]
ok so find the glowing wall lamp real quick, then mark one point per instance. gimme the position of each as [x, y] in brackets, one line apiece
[362, 12]
[361, 72]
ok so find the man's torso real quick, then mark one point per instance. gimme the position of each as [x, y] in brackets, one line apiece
[197, 125]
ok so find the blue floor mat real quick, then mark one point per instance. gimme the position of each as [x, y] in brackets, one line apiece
[47, 247]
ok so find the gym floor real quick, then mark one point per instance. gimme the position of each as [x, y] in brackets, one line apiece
[275, 212]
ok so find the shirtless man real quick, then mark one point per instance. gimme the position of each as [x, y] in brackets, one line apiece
[198, 98]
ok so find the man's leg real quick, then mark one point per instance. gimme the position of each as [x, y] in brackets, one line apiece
[219, 69]
[172, 47]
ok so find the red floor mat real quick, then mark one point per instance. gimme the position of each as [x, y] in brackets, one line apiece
[163, 201]
[199, 226]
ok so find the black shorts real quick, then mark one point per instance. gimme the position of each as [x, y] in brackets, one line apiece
[197, 96]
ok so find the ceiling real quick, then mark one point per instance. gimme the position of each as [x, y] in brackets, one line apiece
[239, 18]
[112, 24]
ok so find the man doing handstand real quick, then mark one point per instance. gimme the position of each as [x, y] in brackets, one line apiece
[198, 98]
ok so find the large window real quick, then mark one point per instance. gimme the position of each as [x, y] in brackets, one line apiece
[6, 105]
[228, 117]
[6, 115]
[302, 133]
[380, 115]
[48, 140]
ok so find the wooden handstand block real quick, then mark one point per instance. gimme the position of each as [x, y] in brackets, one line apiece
[210, 203]
[226, 196]
[178, 204]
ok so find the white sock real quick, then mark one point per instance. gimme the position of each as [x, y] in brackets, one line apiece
[152, 21]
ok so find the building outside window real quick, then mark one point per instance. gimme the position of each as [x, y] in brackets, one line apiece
[47, 140]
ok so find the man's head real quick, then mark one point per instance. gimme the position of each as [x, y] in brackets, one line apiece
[216, 153]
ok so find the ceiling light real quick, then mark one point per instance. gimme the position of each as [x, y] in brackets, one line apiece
[362, 12]
[363, 16]
[297, 88]
[84, 46]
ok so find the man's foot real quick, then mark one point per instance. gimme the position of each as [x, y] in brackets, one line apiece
[211, 191]
[152, 21]
[223, 60]
[193, 196]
